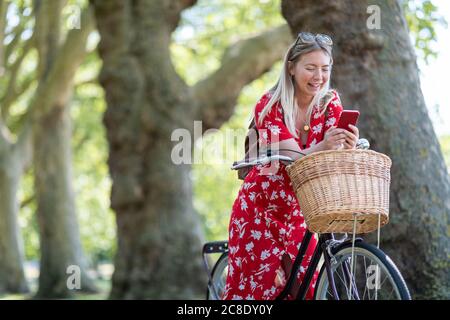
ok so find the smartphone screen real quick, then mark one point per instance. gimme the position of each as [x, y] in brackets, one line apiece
[348, 117]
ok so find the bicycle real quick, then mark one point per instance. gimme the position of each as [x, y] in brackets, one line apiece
[349, 267]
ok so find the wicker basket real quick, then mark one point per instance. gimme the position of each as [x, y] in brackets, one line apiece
[334, 186]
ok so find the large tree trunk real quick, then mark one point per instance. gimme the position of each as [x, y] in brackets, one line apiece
[60, 243]
[159, 236]
[13, 159]
[376, 72]
[58, 228]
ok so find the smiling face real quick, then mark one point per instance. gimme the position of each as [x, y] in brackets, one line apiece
[311, 72]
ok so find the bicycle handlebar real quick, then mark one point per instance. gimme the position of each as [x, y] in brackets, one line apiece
[362, 144]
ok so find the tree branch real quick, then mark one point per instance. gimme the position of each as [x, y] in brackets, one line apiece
[11, 93]
[3, 10]
[243, 62]
[173, 9]
[47, 32]
[54, 91]
[23, 148]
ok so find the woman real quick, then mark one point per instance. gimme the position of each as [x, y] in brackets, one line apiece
[267, 226]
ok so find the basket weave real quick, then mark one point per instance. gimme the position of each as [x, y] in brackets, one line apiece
[333, 186]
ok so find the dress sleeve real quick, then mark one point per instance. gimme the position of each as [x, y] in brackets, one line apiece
[272, 128]
[334, 111]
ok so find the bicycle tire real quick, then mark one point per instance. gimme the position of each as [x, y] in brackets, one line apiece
[386, 265]
[217, 273]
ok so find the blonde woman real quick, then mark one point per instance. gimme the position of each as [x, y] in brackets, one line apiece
[299, 113]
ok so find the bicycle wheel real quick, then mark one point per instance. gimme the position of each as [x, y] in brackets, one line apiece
[368, 261]
[218, 277]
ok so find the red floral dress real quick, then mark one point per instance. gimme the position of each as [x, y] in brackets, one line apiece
[266, 220]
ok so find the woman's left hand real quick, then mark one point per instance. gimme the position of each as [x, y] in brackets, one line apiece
[351, 138]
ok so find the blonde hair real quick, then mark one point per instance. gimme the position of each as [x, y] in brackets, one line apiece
[284, 90]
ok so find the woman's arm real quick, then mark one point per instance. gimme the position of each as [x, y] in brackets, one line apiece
[291, 144]
[332, 140]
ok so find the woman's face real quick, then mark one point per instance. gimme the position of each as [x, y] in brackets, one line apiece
[311, 72]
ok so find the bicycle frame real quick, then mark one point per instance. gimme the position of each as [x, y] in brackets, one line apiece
[322, 248]
[326, 244]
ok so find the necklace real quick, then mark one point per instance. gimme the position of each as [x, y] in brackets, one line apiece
[306, 121]
[305, 124]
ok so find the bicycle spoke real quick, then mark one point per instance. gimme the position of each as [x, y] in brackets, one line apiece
[370, 272]
[347, 289]
[365, 282]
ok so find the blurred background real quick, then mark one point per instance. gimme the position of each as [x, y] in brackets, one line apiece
[69, 123]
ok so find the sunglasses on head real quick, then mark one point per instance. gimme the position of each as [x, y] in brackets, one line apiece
[309, 38]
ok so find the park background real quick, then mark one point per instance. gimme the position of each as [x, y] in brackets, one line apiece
[57, 137]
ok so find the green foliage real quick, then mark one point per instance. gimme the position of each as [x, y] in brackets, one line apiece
[210, 26]
[198, 44]
[205, 31]
[91, 178]
[422, 17]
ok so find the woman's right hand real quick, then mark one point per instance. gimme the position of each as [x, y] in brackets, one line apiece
[333, 139]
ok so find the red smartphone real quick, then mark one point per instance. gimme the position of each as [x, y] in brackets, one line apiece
[348, 117]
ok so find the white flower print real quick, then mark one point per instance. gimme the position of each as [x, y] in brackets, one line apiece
[236, 297]
[256, 234]
[249, 246]
[252, 196]
[263, 267]
[275, 251]
[275, 177]
[253, 284]
[230, 270]
[265, 254]
[243, 204]
[268, 234]
[317, 128]
[335, 102]
[248, 185]
[257, 221]
[274, 195]
[264, 135]
[331, 121]
[242, 286]
[282, 194]
[240, 227]
[316, 114]
[274, 129]
[265, 185]
[233, 249]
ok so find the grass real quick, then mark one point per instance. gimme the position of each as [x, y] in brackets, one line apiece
[101, 278]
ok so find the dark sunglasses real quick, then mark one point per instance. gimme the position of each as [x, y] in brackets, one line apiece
[309, 38]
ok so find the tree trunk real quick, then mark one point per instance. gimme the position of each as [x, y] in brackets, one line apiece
[58, 227]
[12, 276]
[159, 236]
[376, 72]
[60, 242]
